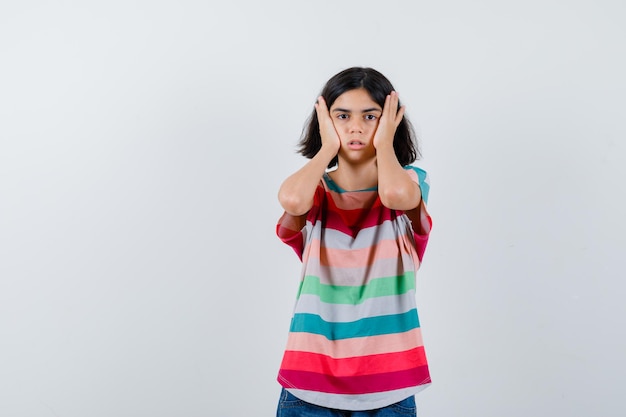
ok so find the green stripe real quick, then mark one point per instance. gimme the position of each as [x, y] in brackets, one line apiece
[370, 326]
[345, 294]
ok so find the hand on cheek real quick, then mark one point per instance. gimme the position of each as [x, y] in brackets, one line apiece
[389, 121]
[328, 132]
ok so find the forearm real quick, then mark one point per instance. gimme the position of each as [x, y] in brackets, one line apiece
[297, 191]
[396, 189]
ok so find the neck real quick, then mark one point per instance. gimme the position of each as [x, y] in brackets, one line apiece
[353, 177]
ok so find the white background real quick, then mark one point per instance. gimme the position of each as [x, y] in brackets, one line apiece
[142, 144]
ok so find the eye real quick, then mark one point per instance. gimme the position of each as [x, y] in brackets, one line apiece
[342, 116]
[370, 117]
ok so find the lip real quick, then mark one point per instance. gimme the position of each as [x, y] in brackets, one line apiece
[355, 144]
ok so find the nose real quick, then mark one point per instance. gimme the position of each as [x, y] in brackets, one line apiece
[356, 125]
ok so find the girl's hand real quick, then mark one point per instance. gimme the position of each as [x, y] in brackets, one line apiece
[330, 137]
[389, 121]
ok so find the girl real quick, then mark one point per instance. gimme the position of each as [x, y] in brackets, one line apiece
[356, 216]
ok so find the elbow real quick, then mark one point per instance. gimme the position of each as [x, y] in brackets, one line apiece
[398, 198]
[392, 198]
[294, 205]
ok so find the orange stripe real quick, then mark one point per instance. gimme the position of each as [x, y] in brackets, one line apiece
[355, 258]
[360, 346]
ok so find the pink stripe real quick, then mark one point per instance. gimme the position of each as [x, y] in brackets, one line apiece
[355, 258]
[365, 384]
[344, 348]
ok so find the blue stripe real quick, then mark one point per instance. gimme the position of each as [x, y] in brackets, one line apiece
[422, 176]
[370, 326]
[332, 186]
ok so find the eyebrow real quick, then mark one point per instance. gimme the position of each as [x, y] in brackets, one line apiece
[371, 109]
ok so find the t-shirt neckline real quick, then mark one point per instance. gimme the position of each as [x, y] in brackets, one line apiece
[332, 185]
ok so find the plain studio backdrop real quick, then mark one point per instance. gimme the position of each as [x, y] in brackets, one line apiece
[142, 144]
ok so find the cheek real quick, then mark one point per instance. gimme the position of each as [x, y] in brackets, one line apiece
[373, 126]
[340, 125]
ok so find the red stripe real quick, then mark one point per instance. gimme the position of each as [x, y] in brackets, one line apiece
[351, 221]
[364, 384]
[420, 245]
[354, 200]
[291, 238]
[289, 230]
[361, 365]
[422, 240]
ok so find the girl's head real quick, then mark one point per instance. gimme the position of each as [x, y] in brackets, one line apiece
[378, 87]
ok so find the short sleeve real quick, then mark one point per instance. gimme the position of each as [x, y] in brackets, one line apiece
[291, 230]
[421, 177]
[420, 219]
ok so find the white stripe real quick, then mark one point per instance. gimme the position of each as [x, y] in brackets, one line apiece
[357, 276]
[359, 402]
[343, 313]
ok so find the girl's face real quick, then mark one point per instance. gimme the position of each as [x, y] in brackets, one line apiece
[355, 116]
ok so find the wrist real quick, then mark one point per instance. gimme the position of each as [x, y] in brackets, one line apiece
[385, 147]
[327, 153]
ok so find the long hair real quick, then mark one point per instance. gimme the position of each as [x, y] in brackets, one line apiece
[378, 86]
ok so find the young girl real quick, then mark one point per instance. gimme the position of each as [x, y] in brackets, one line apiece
[354, 346]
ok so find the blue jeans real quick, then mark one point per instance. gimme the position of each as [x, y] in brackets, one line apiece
[290, 406]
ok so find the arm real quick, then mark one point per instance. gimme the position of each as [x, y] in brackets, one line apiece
[396, 189]
[297, 191]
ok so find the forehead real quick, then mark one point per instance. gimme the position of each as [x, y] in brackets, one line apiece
[355, 100]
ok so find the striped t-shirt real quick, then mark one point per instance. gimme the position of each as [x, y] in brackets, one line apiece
[355, 341]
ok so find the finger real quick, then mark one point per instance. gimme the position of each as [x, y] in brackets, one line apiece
[387, 112]
[326, 124]
[322, 103]
[395, 104]
[394, 101]
[399, 115]
[391, 106]
[322, 109]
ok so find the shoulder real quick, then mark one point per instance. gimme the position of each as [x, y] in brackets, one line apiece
[421, 177]
[421, 174]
